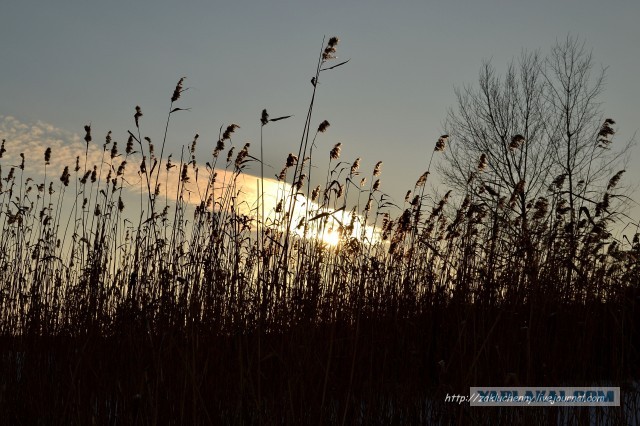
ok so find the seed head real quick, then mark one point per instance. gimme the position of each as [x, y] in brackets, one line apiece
[441, 143]
[377, 169]
[516, 142]
[84, 178]
[368, 206]
[65, 176]
[169, 165]
[335, 152]
[541, 206]
[87, 136]
[121, 167]
[151, 147]
[422, 179]
[606, 131]
[242, 155]
[323, 126]
[330, 49]
[355, 167]
[518, 190]
[219, 148]
[178, 90]
[559, 181]
[184, 177]
[230, 129]
[137, 115]
[192, 149]
[291, 160]
[482, 164]
[300, 182]
[615, 179]
[129, 148]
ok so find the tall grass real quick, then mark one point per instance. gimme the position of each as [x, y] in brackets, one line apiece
[204, 308]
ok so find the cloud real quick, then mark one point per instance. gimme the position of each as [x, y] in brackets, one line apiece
[243, 192]
[33, 139]
[228, 190]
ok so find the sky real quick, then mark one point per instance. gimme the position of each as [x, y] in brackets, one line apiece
[69, 63]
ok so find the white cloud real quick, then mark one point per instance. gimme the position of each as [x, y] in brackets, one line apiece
[32, 139]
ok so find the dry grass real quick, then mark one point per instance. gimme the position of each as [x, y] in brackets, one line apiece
[223, 313]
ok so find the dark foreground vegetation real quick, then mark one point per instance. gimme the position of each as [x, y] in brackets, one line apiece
[222, 311]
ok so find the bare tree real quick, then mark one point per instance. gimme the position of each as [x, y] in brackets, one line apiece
[538, 132]
[580, 137]
[499, 146]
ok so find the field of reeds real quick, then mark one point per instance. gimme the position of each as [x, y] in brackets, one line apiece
[330, 304]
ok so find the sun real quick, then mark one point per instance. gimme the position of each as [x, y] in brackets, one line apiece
[330, 238]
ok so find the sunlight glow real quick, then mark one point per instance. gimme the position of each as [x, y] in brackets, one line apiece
[331, 238]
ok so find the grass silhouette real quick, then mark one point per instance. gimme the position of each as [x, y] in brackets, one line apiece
[224, 313]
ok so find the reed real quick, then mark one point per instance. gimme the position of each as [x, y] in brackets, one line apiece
[211, 308]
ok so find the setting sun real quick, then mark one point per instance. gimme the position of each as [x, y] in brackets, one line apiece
[223, 214]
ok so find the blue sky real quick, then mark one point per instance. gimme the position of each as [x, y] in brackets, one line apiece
[67, 63]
